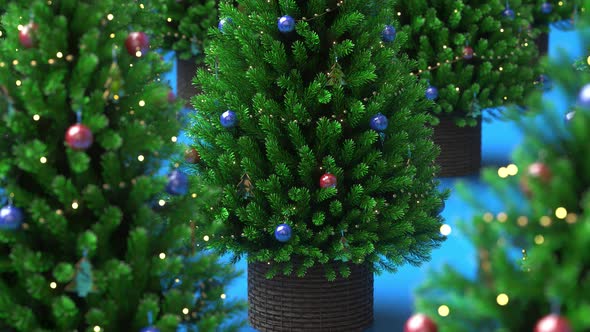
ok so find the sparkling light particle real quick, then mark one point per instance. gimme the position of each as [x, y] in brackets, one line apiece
[222, 296]
[539, 239]
[185, 311]
[445, 230]
[502, 172]
[43, 160]
[561, 213]
[53, 285]
[97, 328]
[161, 202]
[443, 311]
[206, 238]
[138, 54]
[74, 205]
[502, 299]
[174, 139]
[512, 169]
[142, 103]
[110, 17]
[162, 255]
[140, 157]
[36, 117]
[59, 55]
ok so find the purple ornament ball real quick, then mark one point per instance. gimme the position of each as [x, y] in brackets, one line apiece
[584, 96]
[388, 34]
[11, 218]
[286, 24]
[431, 93]
[283, 233]
[177, 183]
[379, 122]
[508, 13]
[228, 119]
[546, 7]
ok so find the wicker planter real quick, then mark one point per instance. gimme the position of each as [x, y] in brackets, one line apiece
[186, 70]
[311, 303]
[460, 148]
[542, 42]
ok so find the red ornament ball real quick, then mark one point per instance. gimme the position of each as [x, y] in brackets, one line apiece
[420, 323]
[553, 323]
[192, 156]
[79, 137]
[467, 52]
[328, 181]
[171, 96]
[137, 44]
[540, 171]
[26, 35]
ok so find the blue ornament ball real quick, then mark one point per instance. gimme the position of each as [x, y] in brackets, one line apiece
[584, 96]
[431, 93]
[388, 34]
[508, 13]
[546, 7]
[283, 232]
[150, 329]
[569, 116]
[379, 122]
[11, 217]
[177, 183]
[228, 119]
[286, 24]
[223, 23]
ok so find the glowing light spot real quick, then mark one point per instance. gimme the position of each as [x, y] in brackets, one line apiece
[141, 103]
[138, 54]
[488, 217]
[512, 169]
[36, 117]
[53, 285]
[444, 311]
[59, 55]
[502, 299]
[522, 221]
[18, 82]
[43, 160]
[502, 172]
[162, 255]
[169, 19]
[97, 328]
[185, 311]
[74, 205]
[539, 239]
[140, 157]
[206, 238]
[445, 230]
[174, 139]
[112, 35]
[561, 213]
[161, 202]
[545, 221]
[223, 296]
[502, 217]
[110, 17]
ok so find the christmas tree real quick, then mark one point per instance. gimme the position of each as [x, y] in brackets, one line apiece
[532, 252]
[93, 238]
[546, 12]
[474, 54]
[313, 126]
[183, 25]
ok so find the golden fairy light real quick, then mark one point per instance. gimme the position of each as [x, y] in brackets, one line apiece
[502, 299]
[444, 310]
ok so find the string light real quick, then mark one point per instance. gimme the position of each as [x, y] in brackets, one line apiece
[445, 230]
[173, 139]
[194, 195]
[561, 213]
[74, 205]
[36, 117]
[141, 102]
[444, 310]
[110, 17]
[59, 55]
[222, 296]
[502, 217]
[140, 157]
[97, 328]
[162, 255]
[512, 169]
[185, 311]
[571, 218]
[539, 239]
[502, 172]
[43, 160]
[488, 217]
[502, 299]
[522, 221]
[161, 202]
[545, 221]
[53, 285]
[206, 238]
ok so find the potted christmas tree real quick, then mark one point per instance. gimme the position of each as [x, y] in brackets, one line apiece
[92, 238]
[533, 262]
[182, 27]
[474, 55]
[313, 126]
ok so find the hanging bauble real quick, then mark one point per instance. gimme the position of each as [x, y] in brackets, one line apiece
[228, 119]
[171, 96]
[467, 52]
[388, 34]
[177, 183]
[379, 122]
[553, 323]
[286, 24]
[79, 137]
[508, 13]
[192, 156]
[544, 82]
[11, 217]
[283, 233]
[546, 7]
[569, 116]
[420, 323]
[137, 43]
[584, 96]
[539, 171]
[431, 92]
[328, 181]
[150, 329]
[26, 35]
[223, 23]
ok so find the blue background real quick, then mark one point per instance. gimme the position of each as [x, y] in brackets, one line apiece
[394, 292]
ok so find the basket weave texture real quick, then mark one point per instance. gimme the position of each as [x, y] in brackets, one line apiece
[311, 303]
[460, 148]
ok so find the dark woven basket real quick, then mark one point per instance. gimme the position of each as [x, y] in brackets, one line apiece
[311, 303]
[542, 42]
[460, 148]
[186, 70]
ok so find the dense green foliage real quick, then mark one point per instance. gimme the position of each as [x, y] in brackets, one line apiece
[536, 251]
[108, 200]
[560, 10]
[182, 25]
[304, 101]
[435, 33]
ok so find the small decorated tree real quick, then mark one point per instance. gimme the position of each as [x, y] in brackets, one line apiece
[534, 266]
[474, 55]
[313, 126]
[92, 238]
[182, 27]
